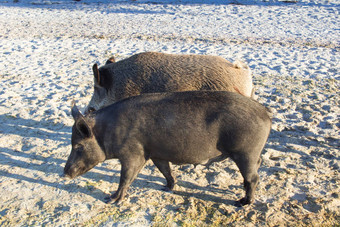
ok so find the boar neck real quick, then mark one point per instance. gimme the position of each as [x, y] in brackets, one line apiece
[101, 130]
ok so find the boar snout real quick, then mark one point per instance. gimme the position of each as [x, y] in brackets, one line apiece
[70, 173]
[64, 176]
[71, 170]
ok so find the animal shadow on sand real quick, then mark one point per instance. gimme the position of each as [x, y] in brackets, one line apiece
[53, 167]
[284, 141]
[36, 129]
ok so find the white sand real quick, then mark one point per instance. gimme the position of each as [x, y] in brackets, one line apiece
[47, 50]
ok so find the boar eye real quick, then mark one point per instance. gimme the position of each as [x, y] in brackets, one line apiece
[79, 149]
[101, 92]
[91, 109]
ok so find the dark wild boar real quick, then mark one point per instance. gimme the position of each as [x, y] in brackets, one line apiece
[197, 127]
[151, 72]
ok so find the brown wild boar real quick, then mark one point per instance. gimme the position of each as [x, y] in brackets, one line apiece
[157, 72]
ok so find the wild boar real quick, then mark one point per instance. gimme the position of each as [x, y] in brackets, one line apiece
[151, 72]
[194, 127]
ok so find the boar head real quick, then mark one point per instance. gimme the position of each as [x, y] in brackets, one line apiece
[103, 94]
[85, 153]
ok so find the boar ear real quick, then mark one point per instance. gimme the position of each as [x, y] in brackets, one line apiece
[106, 78]
[110, 61]
[96, 73]
[75, 111]
[80, 122]
[83, 128]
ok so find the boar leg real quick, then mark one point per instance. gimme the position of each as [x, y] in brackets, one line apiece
[164, 167]
[248, 169]
[130, 169]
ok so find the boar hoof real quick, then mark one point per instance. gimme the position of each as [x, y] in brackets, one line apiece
[244, 201]
[166, 189]
[114, 198]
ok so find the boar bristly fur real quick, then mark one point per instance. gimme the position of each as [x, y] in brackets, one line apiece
[151, 72]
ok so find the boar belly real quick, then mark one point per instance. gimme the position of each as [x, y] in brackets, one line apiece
[183, 153]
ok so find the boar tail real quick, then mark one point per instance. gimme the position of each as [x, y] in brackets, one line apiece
[269, 112]
[238, 64]
[244, 79]
[253, 95]
[241, 65]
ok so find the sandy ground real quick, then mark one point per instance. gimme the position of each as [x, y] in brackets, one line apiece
[48, 49]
